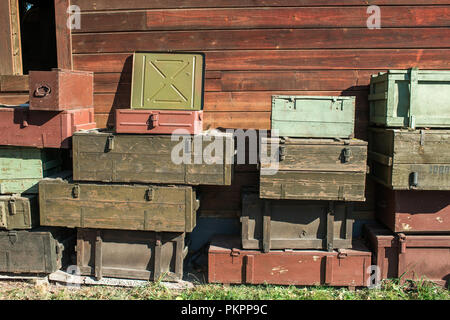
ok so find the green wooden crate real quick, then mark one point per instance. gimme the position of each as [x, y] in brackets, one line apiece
[403, 159]
[410, 98]
[313, 116]
[19, 212]
[37, 251]
[21, 168]
[157, 208]
[169, 81]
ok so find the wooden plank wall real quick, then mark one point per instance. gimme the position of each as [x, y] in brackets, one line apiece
[257, 48]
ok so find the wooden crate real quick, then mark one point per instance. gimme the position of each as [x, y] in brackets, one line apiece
[410, 98]
[291, 224]
[313, 169]
[22, 168]
[131, 254]
[60, 90]
[37, 251]
[403, 160]
[108, 157]
[19, 212]
[313, 116]
[227, 263]
[413, 257]
[415, 211]
[115, 206]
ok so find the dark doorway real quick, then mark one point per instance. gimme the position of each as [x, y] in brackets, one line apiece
[38, 35]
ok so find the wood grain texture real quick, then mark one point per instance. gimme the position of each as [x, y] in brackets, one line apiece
[261, 18]
[86, 5]
[269, 39]
[63, 35]
[246, 60]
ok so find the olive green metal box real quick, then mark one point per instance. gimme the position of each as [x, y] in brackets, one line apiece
[21, 168]
[313, 116]
[167, 81]
[410, 98]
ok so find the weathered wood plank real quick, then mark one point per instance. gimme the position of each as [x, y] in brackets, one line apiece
[253, 18]
[89, 5]
[268, 39]
[63, 35]
[14, 83]
[246, 60]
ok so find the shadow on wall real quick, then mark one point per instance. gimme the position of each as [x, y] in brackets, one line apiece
[122, 95]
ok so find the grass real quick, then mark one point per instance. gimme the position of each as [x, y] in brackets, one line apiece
[390, 290]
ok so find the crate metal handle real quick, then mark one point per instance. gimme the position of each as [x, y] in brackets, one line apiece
[42, 91]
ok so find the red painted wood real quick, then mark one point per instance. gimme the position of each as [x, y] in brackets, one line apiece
[174, 4]
[412, 257]
[413, 211]
[158, 121]
[20, 126]
[249, 60]
[67, 90]
[227, 264]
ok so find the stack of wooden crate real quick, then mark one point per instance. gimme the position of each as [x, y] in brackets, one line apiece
[301, 218]
[34, 142]
[130, 200]
[409, 155]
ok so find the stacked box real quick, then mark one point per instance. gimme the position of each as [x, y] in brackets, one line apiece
[298, 229]
[34, 144]
[409, 155]
[133, 194]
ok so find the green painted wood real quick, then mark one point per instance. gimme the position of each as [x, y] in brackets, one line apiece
[313, 117]
[39, 251]
[396, 156]
[21, 168]
[410, 98]
[19, 212]
[116, 206]
[314, 169]
[295, 224]
[125, 158]
[167, 81]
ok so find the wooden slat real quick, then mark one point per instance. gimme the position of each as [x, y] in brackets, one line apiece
[253, 18]
[63, 35]
[291, 60]
[10, 49]
[269, 39]
[9, 83]
[86, 5]
[13, 99]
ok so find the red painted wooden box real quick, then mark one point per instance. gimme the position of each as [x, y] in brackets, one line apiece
[228, 264]
[409, 256]
[158, 121]
[20, 126]
[60, 89]
[413, 211]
